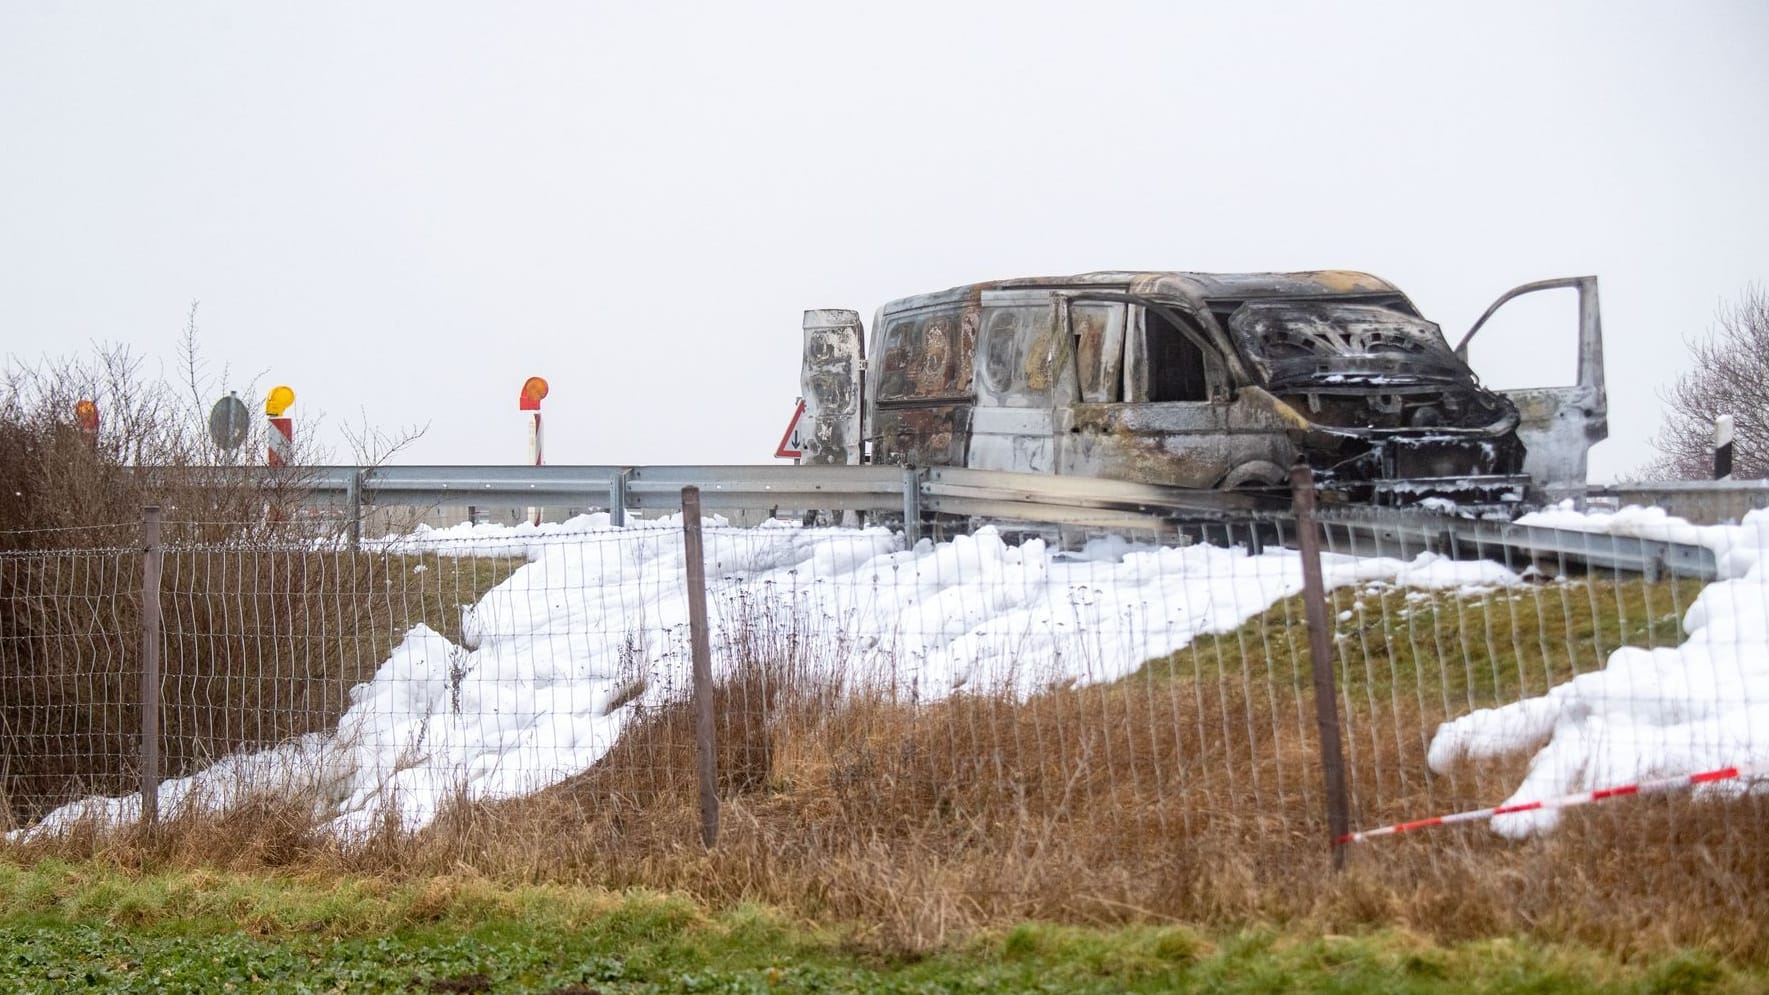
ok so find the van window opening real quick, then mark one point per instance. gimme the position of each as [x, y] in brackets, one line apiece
[1175, 363]
[927, 356]
[1099, 351]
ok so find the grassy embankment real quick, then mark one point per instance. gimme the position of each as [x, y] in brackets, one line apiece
[92, 928]
[1189, 793]
[259, 644]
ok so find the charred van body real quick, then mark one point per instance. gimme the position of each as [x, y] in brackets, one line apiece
[1197, 380]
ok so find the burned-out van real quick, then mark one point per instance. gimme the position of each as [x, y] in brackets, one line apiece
[1196, 380]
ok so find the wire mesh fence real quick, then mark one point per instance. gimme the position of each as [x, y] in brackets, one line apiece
[1153, 694]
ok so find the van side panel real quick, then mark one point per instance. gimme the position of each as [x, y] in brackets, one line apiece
[1018, 374]
[922, 382]
[922, 434]
[1186, 444]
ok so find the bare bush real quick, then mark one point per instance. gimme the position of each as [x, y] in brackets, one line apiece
[67, 487]
[1729, 376]
[260, 644]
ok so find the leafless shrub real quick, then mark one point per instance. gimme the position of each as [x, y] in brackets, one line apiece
[1729, 375]
[260, 643]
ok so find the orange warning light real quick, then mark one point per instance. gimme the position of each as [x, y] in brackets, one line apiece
[278, 401]
[86, 413]
[533, 389]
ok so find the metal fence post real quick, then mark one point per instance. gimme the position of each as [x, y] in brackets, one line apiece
[150, 666]
[1320, 652]
[353, 498]
[695, 552]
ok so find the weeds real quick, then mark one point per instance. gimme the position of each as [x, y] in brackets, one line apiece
[1165, 798]
[1188, 793]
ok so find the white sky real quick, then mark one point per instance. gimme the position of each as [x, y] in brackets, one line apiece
[404, 210]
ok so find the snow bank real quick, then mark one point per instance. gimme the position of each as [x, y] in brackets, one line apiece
[528, 697]
[1648, 713]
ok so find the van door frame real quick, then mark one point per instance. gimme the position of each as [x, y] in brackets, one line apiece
[1196, 443]
[1014, 437]
[1559, 425]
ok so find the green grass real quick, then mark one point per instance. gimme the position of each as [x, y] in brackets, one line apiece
[433, 588]
[86, 927]
[1466, 650]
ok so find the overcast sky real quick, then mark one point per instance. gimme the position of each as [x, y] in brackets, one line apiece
[403, 210]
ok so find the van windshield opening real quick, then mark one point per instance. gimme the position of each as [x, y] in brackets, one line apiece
[1339, 342]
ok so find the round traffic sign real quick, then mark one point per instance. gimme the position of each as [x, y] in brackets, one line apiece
[228, 422]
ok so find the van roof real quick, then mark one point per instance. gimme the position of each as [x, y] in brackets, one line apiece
[1195, 287]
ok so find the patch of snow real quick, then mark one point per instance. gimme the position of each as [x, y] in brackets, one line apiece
[1649, 713]
[525, 699]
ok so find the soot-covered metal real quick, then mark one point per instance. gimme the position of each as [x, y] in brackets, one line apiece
[1199, 380]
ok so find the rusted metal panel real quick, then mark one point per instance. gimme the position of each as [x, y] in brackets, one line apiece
[1185, 444]
[829, 377]
[921, 434]
[1211, 380]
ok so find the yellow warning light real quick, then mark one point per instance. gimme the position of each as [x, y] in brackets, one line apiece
[86, 413]
[278, 401]
[533, 389]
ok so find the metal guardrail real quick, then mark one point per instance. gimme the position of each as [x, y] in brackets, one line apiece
[1704, 502]
[907, 492]
[914, 495]
[1405, 534]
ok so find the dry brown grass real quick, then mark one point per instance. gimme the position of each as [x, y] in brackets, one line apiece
[928, 822]
[1188, 792]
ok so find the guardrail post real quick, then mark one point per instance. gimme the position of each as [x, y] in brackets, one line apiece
[617, 498]
[694, 551]
[1320, 653]
[150, 666]
[911, 505]
[353, 504]
[1722, 447]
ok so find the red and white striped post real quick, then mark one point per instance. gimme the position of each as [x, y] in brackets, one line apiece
[533, 390]
[281, 447]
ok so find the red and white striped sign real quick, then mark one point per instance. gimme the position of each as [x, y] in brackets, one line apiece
[282, 441]
[1564, 801]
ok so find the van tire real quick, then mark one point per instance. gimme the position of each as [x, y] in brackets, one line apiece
[1258, 473]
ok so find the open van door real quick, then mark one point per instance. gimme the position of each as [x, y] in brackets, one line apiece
[830, 379]
[1559, 425]
[1019, 368]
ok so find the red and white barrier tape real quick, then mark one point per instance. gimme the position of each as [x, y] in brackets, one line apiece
[1564, 801]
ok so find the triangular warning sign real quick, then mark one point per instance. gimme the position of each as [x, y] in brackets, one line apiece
[791, 446]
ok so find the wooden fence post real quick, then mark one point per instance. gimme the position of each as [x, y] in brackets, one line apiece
[1320, 653]
[150, 666]
[695, 552]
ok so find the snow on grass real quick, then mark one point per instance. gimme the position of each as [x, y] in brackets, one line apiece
[538, 687]
[1652, 713]
[554, 661]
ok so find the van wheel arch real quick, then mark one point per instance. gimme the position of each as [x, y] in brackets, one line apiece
[1256, 473]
